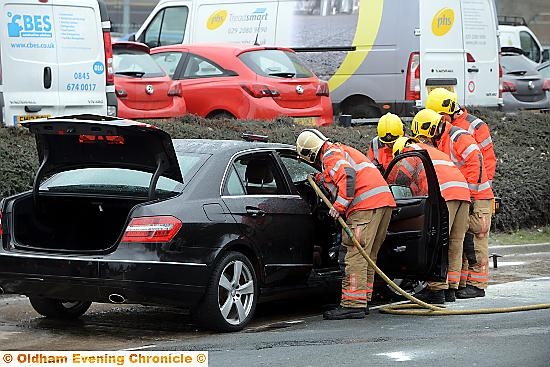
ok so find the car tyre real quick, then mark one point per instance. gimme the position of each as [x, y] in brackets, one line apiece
[59, 309]
[231, 296]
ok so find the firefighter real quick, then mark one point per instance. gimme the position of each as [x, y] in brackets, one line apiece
[454, 190]
[390, 127]
[464, 152]
[445, 103]
[362, 197]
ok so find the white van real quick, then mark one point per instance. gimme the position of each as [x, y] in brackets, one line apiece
[378, 55]
[520, 36]
[55, 59]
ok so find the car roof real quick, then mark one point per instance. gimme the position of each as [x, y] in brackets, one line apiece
[223, 147]
[234, 48]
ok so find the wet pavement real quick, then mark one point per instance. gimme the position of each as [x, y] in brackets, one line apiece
[109, 327]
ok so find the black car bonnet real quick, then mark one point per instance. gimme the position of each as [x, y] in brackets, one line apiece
[83, 141]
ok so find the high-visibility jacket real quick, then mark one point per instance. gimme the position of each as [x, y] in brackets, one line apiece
[353, 180]
[480, 131]
[379, 153]
[462, 148]
[452, 184]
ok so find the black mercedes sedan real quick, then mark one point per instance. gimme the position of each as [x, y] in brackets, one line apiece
[121, 213]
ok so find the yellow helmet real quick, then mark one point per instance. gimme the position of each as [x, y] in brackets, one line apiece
[401, 143]
[442, 100]
[390, 127]
[425, 123]
[309, 144]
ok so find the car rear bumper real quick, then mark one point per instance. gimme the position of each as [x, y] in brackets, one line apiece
[511, 104]
[177, 109]
[178, 284]
[268, 109]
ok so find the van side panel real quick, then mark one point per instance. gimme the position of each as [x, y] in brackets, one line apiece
[81, 57]
[480, 41]
[29, 61]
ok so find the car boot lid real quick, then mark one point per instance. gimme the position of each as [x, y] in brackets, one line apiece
[82, 141]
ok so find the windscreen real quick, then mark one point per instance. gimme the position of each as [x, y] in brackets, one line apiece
[135, 63]
[275, 63]
[515, 63]
[123, 181]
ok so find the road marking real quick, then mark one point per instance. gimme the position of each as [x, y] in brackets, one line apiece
[396, 356]
[139, 348]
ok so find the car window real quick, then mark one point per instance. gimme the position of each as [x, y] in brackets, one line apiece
[515, 63]
[198, 67]
[408, 178]
[298, 169]
[530, 46]
[258, 175]
[167, 27]
[168, 61]
[275, 63]
[545, 71]
[123, 181]
[234, 186]
[135, 63]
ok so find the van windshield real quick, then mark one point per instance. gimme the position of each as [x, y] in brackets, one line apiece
[275, 64]
[136, 64]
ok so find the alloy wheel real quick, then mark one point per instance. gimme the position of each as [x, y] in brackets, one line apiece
[235, 292]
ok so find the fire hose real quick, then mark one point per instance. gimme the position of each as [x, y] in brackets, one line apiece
[417, 307]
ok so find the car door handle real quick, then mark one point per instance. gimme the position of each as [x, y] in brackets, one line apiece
[473, 70]
[255, 212]
[47, 77]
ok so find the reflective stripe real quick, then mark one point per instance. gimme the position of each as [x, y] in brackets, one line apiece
[337, 166]
[408, 166]
[438, 162]
[486, 142]
[331, 151]
[450, 184]
[360, 166]
[479, 187]
[470, 149]
[369, 194]
[478, 276]
[415, 146]
[340, 200]
[456, 133]
[375, 149]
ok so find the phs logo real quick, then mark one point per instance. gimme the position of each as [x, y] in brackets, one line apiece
[216, 20]
[443, 21]
[38, 26]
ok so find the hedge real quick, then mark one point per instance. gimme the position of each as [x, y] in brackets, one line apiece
[521, 143]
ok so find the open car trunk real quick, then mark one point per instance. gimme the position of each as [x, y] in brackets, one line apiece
[71, 223]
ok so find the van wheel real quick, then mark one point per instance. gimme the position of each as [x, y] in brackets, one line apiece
[59, 309]
[231, 296]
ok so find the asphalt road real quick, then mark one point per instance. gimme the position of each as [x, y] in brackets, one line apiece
[294, 334]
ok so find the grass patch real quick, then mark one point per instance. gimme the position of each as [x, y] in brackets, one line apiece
[521, 237]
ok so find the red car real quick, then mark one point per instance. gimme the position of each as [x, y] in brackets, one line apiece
[143, 89]
[246, 82]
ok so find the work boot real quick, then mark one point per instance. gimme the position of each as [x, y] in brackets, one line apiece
[432, 297]
[341, 313]
[470, 292]
[450, 295]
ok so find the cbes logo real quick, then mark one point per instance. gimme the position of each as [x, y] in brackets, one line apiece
[38, 26]
[216, 20]
[443, 21]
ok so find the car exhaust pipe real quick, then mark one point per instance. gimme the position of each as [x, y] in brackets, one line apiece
[116, 298]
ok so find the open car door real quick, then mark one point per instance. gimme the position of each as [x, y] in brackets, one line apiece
[416, 244]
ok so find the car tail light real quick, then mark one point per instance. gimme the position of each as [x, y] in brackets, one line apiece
[152, 229]
[322, 89]
[509, 86]
[412, 89]
[546, 85]
[121, 92]
[470, 58]
[500, 86]
[109, 72]
[175, 90]
[260, 90]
